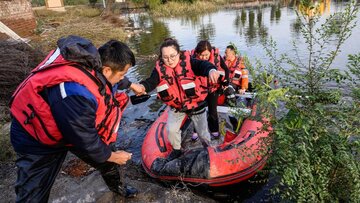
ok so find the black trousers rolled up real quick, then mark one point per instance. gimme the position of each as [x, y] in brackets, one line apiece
[213, 120]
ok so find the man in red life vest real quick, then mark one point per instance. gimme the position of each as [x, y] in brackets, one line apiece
[69, 103]
[238, 72]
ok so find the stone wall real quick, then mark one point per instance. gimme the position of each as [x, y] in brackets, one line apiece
[18, 16]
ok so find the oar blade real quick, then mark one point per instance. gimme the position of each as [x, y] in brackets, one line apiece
[139, 99]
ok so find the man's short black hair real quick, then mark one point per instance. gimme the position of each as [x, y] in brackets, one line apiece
[116, 55]
[231, 47]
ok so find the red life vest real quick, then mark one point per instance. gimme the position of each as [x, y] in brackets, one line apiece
[179, 87]
[238, 73]
[29, 108]
[214, 59]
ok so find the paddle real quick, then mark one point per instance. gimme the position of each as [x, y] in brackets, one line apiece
[252, 94]
[140, 99]
[143, 98]
[246, 95]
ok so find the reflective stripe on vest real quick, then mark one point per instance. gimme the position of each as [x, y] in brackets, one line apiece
[179, 87]
[34, 114]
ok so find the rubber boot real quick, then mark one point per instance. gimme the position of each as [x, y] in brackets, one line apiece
[174, 154]
[215, 135]
[125, 191]
[194, 137]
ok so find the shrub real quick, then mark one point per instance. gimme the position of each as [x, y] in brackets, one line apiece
[35, 3]
[75, 2]
[316, 143]
[177, 9]
[92, 2]
[6, 151]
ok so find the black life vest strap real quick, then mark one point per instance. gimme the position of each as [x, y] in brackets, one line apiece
[183, 65]
[101, 81]
[237, 62]
[97, 79]
[216, 58]
[165, 76]
[113, 126]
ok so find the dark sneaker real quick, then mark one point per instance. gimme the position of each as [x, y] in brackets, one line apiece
[215, 135]
[126, 191]
[194, 137]
[174, 154]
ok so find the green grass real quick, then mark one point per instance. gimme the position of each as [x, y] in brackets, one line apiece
[35, 3]
[171, 9]
[70, 13]
[78, 20]
[6, 150]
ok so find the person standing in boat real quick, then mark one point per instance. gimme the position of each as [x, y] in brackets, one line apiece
[204, 51]
[239, 75]
[176, 78]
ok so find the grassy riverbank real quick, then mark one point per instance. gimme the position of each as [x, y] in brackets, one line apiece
[87, 21]
[79, 20]
[173, 8]
[6, 153]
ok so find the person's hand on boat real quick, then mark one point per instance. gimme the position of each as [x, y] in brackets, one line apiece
[242, 91]
[225, 83]
[214, 76]
[229, 93]
[138, 89]
[119, 157]
[229, 89]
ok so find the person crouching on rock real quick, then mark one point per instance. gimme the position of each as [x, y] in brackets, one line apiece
[66, 104]
[176, 78]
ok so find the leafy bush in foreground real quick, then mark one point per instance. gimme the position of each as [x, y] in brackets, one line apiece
[316, 141]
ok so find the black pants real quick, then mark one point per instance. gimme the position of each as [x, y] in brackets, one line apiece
[213, 120]
[37, 173]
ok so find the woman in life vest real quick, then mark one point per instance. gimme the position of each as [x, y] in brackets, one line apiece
[176, 78]
[204, 51]
[238, 72]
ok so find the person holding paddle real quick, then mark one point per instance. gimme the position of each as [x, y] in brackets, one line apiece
[176, 77]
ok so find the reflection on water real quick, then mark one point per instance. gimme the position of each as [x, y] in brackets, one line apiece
[253, 29]
[245, 27]
[206, 31]
[275, 13]
[149, 42]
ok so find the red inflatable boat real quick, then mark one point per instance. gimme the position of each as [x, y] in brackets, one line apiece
[237, 158]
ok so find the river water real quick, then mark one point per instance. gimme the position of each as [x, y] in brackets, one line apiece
[245, 26]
